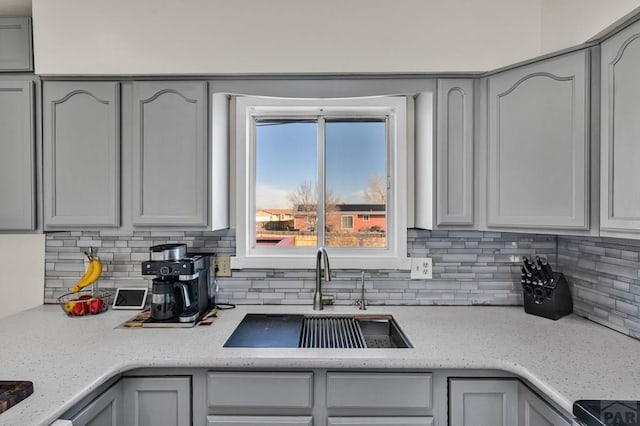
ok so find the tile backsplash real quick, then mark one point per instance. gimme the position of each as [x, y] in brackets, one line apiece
[604, 274]
[469, 268]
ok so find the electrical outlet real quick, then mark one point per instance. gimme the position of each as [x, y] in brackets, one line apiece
[223, 266]
[421, 268]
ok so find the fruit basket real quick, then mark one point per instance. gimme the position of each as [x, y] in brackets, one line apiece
[86, 303]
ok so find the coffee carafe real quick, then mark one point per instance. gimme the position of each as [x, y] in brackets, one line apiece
[169, 299]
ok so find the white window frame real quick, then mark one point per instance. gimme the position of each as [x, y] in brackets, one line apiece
[248, 109]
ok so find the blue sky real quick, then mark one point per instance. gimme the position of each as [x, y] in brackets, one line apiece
[287, 156]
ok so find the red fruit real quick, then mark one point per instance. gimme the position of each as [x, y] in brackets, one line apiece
[84, 297]
[95, 305]
[79, 309]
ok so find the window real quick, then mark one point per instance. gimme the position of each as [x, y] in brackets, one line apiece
[309, 170]
[347, 222]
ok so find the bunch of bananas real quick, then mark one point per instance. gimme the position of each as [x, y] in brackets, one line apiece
[91, 275]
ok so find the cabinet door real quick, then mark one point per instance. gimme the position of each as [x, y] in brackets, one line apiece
[454, 193]
[17, 156]
[106, 410]
[533, 411]
[620, 130]
[15, 44]
[157, 401]
[481, 402]
[259, 421]
[538, 142]
[81, 154]
[170, 154]
[380, 421]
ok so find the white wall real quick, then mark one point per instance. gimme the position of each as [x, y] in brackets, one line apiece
[569, 22]
[282, 36]
[22, 278]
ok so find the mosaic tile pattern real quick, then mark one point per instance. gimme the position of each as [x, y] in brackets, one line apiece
[604, 274]
[469, 268]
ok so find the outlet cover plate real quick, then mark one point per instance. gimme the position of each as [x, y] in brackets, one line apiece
[223, 266]
[421, 268]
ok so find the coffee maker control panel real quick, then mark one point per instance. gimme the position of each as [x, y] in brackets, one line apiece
[163, 268]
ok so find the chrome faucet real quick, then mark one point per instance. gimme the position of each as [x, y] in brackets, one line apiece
[317, 297]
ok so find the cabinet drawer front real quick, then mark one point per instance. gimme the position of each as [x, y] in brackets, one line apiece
[259, 420]
[380, 421]
[260, 390]
[379, 390]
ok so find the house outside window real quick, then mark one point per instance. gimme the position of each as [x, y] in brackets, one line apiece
[310, 171]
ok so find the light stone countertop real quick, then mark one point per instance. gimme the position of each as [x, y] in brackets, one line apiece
[66, 358]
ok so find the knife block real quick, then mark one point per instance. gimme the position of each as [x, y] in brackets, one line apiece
[551, 301]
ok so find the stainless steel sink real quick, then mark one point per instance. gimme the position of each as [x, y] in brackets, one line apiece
[318, 331]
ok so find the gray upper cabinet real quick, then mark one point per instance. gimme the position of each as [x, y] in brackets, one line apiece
[81, 154]
[15, 44]
[538, 145]
[17, 156]
[620, 132]
[169, 178]
[454, 190]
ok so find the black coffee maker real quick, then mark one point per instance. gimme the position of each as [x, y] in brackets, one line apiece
[184, 286]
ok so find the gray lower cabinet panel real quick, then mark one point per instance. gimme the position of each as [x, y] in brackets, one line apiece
[15, 44]
[106, 410]
[454, 193]
[81, 154]
[538, 145]
[170, 162]
[259, 420]
[260, 389]
[157, 401]
[620, 131]
[17, 156]
[483, 402]
[533, 411]
[380, 421]
[379, 390]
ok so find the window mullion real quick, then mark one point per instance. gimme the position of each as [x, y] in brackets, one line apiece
[320, 226]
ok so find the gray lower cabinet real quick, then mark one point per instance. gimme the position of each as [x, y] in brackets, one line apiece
[15, 44]
[454, 171]
[170, 162]
[106, 410]
[482, 402]
[380, 421]
[494, 402]
[399, 391]
[17, 156]
[259, 421]
[280, 390]
[534, 411]
[81, 154]
[620, 130]
[538, 145]
[157, 401]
